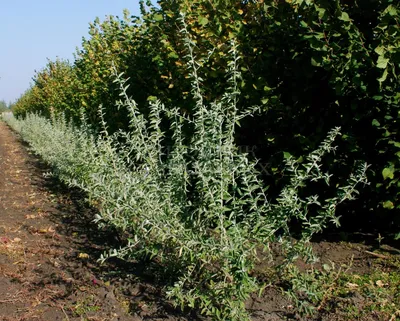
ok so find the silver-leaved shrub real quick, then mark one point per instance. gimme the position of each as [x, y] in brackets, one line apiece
[200, 210]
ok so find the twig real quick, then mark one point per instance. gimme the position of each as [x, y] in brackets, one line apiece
[381, 256]
[66, 315]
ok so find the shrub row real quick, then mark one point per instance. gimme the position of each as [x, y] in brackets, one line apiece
[310, 65]
[199, 211]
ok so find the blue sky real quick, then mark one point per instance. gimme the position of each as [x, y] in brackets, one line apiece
[33, 30]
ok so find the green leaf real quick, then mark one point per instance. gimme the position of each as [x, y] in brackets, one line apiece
[173, 55]
[158, 17]
[314, 62]
[303, 24]
[286, 155]
[382, 62]
[380, 50]
[391, 10]
[388, 205]
[376, 123]
[345, 17]
[388, 172]
[321, 12]
[383, 77]
[203, 20]
[396, 144]
[327, 267]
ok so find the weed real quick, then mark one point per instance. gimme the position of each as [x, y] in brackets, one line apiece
[379, 289]
[85, 306]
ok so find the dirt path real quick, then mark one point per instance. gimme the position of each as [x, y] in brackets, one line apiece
[47, 266]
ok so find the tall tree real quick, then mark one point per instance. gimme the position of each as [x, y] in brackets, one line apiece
[3, 106]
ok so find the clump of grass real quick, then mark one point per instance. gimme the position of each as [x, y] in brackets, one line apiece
[85, 306]
[334, 289]
[379, 290]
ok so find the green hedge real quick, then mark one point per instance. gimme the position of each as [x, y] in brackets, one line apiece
[309, 65]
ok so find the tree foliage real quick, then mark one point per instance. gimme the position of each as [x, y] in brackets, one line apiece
[310, 65]
[56, 89]
[3, 106]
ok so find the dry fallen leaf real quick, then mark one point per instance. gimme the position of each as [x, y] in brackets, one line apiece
[83, 255]
[380, 283]
[351, 285]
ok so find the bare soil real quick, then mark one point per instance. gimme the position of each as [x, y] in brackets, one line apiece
[49, 249]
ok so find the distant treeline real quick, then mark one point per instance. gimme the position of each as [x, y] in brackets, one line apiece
[4, 106]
